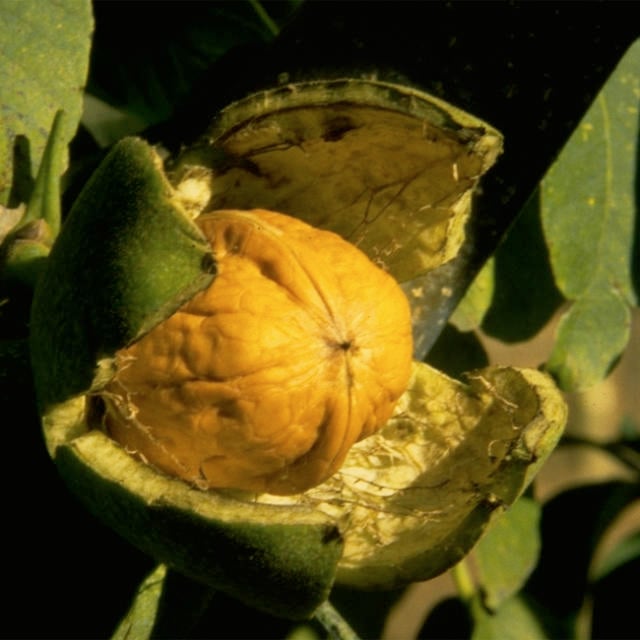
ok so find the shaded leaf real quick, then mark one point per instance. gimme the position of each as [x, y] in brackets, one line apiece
[455, 352]
[139, 621]
[615, 603]
[572, 526]
[508, 552]
[166, 605]
[627, 447]
[227, 618]
[588, 213]
[524, 293]
[146, 72]
[450, 619]
[366, 611]
[624, 552]
[514, 294]
[16, 387]
[44, 55]
[100, 579]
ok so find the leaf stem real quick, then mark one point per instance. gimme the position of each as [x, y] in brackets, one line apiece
[584, 620]
[265, 17]
[337, 627]
[464, 581]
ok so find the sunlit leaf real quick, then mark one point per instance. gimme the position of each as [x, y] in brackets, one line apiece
[588, 212]
[303, 632]
[24, 251]
[514, 620]
[44, 55]
[589, 337]
[44, 203]
[477, 300]
[9, 218]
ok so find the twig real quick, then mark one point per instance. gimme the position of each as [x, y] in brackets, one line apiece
[337, 627]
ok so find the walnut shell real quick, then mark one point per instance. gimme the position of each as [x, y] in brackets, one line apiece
[299, 348]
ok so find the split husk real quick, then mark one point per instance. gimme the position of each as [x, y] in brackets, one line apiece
[410, 501]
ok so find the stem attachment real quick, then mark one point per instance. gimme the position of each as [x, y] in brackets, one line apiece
[337, 627]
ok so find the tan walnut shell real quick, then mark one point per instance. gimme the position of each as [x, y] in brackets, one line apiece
[299, 348]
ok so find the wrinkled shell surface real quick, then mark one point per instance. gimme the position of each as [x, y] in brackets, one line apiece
[299, 348]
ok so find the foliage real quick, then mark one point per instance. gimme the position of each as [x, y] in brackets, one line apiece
[45, 61]
[542, 569]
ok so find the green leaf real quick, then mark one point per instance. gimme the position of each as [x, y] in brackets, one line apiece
[589, 337]
[588, 213]
[615, 603]
[514, 620]
[573, 525]
[476, 302]
[455, 352]
[9, 218]
[141, 617]
[24, 251]
[166, 605]
[44, 55]
[514, 294]
[622, 553]
[508, 552]
[303, 632]
[524, 292]
[44, 203]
